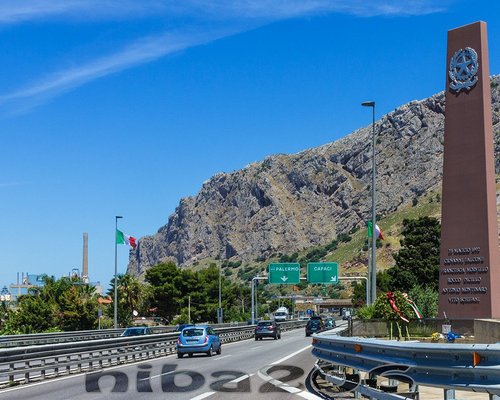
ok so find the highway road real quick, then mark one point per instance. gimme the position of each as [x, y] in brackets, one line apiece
[249, 369]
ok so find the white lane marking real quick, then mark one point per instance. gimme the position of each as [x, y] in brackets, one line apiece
[262, 373]
[291, 355]
[202, 396]
[309, 396]
[253, 348]
[77, 374]
[241, 378]
[156, 376]
[264, 376]
[221, 357]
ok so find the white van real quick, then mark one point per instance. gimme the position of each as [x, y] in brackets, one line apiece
[281, 314]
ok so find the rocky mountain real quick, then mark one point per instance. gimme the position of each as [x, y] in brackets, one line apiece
[287, 203]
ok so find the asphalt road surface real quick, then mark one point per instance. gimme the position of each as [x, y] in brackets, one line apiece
[264, 369]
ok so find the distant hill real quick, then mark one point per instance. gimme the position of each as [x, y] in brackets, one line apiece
[291, 203]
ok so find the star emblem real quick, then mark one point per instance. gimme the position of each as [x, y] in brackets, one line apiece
[463, 70]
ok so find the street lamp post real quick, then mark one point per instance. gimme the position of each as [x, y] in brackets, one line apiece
[115, 301]
[372, 273]
[252, 312]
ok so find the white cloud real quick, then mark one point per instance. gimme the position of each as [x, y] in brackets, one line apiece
[233, 16]
[15, 11]
[139, 52]
[10, 184]
[278, 9]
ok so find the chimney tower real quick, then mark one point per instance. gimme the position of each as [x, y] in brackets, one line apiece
[85, 262]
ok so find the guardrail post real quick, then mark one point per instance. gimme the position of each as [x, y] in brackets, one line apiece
[79, 365]
[42, 372]
[11, 372]
[357, 395]
[68, 367]
[449, 394]
[371, 380]
[27, 371]
[494, 397]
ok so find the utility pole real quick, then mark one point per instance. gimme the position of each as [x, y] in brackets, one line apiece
[220, 318]
[254, 296]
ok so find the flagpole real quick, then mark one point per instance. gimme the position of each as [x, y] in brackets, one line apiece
[372, 274]
[115, 301]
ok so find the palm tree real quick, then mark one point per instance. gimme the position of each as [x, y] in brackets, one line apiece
[130, 292]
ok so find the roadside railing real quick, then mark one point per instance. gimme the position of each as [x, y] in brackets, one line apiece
[75, 336]
[33, 363]
[474, 367]
[56, 337]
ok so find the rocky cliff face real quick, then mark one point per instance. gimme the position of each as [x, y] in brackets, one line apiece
[289, 202]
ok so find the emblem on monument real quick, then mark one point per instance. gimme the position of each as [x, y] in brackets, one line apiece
[463, 70]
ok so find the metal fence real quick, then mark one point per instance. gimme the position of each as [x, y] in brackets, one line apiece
[75, 336]
[33, 363]
[474, 367]
[56, 337]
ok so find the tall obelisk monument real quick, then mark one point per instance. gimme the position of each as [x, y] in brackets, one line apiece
[469, 279]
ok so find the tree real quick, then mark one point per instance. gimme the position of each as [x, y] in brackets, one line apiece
[4, 314]
[417, 262]
[166, 296]
[33, 315]
[359, 291]
[123, 316]
[359, 294]
[63, 304]
[426, 299]
[130, 293]
[78, 308]
[173, 288]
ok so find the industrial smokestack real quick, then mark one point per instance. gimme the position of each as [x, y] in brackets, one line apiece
[85, 263]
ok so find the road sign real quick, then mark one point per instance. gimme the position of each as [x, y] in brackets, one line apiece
[323, 272]
[284, 273]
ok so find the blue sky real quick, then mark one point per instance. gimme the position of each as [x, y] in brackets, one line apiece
[123, 107]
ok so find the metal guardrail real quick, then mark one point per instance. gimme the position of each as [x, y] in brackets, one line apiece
[56, 337]
[474, 367]
[75, 336]
[33, 363]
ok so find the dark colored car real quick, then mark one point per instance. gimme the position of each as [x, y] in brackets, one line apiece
[137, 331]
[330, 323]
[267, 329]
[314, 325]
[198, 339]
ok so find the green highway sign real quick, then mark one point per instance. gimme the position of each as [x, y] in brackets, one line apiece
[323, 272]
[284, 273]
